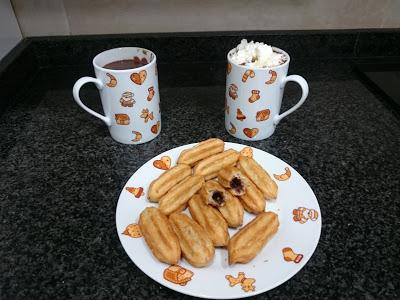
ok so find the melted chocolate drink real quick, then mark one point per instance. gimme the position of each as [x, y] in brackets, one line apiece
[126, 64]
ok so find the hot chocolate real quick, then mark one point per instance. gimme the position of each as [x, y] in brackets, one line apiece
[126, 64]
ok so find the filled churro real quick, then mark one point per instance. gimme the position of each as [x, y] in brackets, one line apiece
[232, 211]
[213, 193]
[210, 219]
[249, 241]
[259, 176]
[167, 180]
[159, 235]
[215, 163]
[232, 179]
[178, 196]
[253, 201]
[201, 151]
[217, 186]
[197, 248]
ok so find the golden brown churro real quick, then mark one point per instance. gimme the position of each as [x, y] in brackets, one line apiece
[210, 176]
[249, 241]
[215, 163]
[232, 179]
[253, 201]
[159, 235]
[167, 180]
[213, 193]
[197, 248]
[217, 186]
[232, 211]
[210, 219]
[178, 196]
[259, 176]
[201, 151]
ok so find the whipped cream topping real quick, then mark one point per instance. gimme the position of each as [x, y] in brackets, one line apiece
[255, 54]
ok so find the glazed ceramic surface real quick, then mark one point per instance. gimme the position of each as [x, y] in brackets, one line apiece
[283, 256]
[130, 98]
[253, 98]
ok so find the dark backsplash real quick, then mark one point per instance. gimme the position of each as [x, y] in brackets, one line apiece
[213, 46]
[182, 48]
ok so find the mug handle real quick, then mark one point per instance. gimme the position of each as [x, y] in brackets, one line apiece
[75, 93]
[304, 87]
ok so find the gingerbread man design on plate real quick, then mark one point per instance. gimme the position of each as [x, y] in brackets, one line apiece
[247, 284]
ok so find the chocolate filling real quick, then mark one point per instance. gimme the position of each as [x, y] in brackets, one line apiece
[236, 184]
[218, 197]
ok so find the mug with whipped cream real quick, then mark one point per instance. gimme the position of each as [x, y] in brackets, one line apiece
[255, 79]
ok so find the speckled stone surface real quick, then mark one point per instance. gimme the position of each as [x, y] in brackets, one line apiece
[61, 175]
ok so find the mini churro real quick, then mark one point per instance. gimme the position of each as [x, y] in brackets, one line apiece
[232, 179]
[232, 211]
[215, 163]
[213, 193]
[259, 176]
[210, 219]
[216, 186]
[210, 176]
[249, 241]
[201, 151]
[178, 196]
[159, 235]
[167, 180]
[197, 248]
[253, 201]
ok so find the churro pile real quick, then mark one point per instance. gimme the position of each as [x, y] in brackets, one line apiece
[217, 185]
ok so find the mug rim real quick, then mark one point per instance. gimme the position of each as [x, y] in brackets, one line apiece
[95, 65]
[279, 50]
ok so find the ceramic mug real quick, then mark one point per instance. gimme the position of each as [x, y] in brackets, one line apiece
[130, 97]
[253, 98]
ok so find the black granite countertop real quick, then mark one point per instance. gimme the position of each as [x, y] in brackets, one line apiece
[61, 175]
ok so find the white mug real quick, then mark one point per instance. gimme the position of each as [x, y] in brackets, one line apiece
[253, 98]
[130, 97]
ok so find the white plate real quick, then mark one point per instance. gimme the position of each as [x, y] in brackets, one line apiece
[269, 269]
